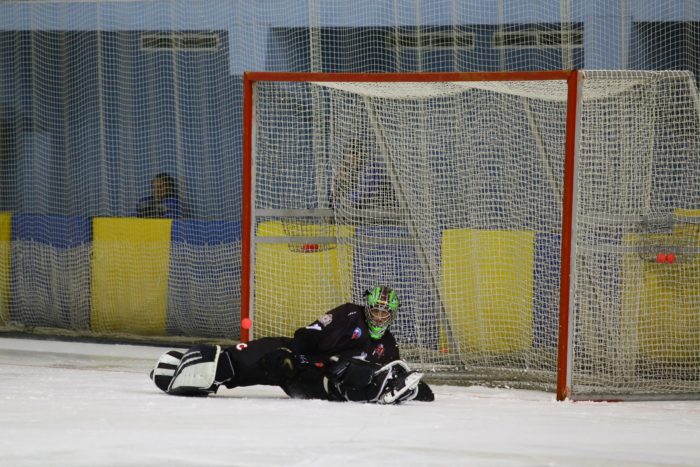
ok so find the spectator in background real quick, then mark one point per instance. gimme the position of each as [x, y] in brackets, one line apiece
[163, 202]
[361, 182]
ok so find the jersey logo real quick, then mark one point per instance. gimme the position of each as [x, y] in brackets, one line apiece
[315, 327]
[362, 356]
[241, 346]
[357, 333]
[325, 320]
[378, 351]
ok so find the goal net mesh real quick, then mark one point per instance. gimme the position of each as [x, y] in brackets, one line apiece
[451, 192]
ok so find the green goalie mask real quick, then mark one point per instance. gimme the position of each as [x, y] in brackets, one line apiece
[380, 311]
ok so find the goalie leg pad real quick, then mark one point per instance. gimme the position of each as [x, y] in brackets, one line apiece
[196, 373]
[165, 368]
[397, 383]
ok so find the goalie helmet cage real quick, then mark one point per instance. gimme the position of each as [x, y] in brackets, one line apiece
[510, 210]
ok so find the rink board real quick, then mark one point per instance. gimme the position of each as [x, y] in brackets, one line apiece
[130, 275]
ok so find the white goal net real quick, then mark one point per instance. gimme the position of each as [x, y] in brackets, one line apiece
[453, 193]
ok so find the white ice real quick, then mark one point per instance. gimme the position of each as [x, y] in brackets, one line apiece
[84, 404]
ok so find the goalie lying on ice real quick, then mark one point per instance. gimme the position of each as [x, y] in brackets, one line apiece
[204, 368]
[346, 355]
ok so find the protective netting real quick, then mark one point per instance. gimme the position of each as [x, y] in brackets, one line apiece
[452, 193]
[99, 97]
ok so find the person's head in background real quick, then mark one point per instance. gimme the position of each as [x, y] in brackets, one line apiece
[163, 186]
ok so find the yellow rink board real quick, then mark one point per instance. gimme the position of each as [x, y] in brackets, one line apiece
[5, 231]
[293, 288]
[130, 262]
[661, 300]
[487, 283]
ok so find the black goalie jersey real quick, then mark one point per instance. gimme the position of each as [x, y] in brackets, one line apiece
[343, 332]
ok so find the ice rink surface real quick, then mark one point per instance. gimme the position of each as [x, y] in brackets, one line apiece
[84, 404]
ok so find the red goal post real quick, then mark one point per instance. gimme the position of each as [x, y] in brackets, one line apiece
[572, 78]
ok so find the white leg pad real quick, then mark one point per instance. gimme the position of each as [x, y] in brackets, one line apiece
[197, 370]
[164, 364]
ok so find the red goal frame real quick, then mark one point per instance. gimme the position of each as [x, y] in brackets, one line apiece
[573, 79]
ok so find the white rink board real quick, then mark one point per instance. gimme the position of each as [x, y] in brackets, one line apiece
[80, 404]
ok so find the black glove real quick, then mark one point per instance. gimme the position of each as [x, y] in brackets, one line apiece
[351, 373]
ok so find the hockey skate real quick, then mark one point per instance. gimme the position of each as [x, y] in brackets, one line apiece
[400, 383]
[405, 388]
